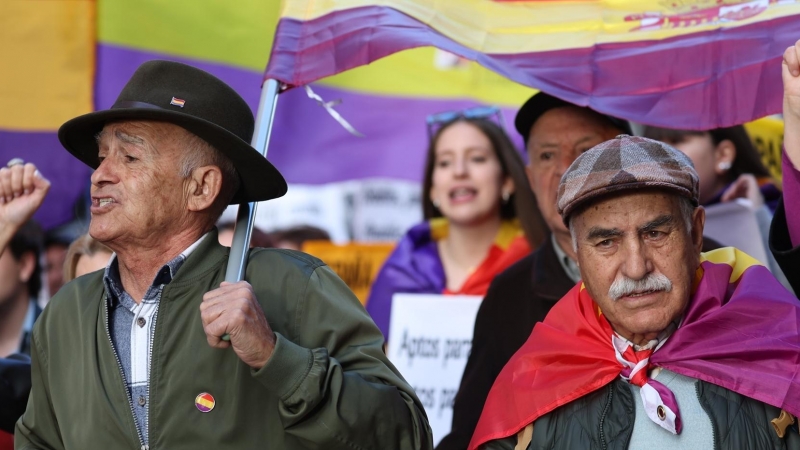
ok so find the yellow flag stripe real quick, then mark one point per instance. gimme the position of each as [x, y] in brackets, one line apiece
[737, 259]
[518, 26]
[205, 402]
[47, 51]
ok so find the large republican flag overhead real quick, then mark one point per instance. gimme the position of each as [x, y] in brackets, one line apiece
[696, 64]
[65, 58]
[61, 59]
[46, 69]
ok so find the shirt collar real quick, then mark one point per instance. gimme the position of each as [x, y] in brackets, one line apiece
[656, 343]
[568, 264]
[113, 282]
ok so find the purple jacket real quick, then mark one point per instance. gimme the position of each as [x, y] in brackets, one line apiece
[413, 267]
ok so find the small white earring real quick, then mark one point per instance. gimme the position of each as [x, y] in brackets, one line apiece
[435, 203]
[724, 165]
[505, 196]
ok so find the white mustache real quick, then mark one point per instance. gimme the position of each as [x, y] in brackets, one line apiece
[624, 286]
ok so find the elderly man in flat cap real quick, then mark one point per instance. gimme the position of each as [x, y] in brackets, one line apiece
[659, 346]
[132, 357]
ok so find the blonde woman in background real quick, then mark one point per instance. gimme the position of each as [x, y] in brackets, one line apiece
[85, 255]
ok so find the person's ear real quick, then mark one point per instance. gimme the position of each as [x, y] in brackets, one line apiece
[724, 156]
[27, 264]
[205, 185]
[507, 189]
[698, 223]
[433, 199]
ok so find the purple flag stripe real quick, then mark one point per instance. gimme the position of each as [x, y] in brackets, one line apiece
[307, 145]
[698, 81]
[756, 337]
[116, 64]
[310, 147]
[68, 176]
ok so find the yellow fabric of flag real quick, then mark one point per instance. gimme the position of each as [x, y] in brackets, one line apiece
[47, 51]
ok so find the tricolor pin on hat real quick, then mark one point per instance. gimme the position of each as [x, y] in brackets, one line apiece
[177, 102]
[204, 402]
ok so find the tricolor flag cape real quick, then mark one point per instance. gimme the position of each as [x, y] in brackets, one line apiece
[695, 64]
[741, 331]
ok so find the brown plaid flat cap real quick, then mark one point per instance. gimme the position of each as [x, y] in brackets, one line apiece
[624, 163]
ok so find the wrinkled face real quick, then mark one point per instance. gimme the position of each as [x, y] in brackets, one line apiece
[556, 139]
[701, 150]
[467, 176]
[638, 258]
[88, 264]
[138, 195]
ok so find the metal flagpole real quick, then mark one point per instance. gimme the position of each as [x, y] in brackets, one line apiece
[242, 231]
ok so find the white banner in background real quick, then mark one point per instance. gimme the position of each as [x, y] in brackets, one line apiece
[735, 224]
[430, 337]
[369, 210]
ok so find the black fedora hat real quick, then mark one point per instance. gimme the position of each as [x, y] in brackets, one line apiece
[194, 100]
[541, 102]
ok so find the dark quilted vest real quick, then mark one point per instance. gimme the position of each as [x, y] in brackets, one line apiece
[603, 420]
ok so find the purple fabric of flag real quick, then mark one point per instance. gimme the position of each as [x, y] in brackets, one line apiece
[791, 196]
[743, 336]
[703, 80]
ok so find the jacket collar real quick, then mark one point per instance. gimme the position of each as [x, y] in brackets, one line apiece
[550, 281]
[206, 257]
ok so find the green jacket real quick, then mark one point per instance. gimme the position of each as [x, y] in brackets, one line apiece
[604, 420]
[327, 385]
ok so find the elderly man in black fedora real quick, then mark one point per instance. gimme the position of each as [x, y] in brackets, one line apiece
[133, 356]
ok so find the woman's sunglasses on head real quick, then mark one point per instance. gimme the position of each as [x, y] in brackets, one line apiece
[434, 121]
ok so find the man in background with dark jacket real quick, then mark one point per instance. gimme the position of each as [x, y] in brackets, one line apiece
[555, 133]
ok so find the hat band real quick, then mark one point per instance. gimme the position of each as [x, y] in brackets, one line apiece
[127, 104]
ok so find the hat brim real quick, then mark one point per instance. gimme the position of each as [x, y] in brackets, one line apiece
[542, 102]
[260, 180]
[610, 191]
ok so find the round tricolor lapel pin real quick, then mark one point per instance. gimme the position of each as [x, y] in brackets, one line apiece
[204, 402]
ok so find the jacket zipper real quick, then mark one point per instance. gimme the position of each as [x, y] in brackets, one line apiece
[124, 386]
[150, 358]
[603, 444]
[710, 416]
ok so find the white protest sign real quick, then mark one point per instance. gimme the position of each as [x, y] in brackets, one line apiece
[430, 337]
[735, 224]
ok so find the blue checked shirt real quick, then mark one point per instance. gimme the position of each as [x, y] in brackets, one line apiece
[131, 327]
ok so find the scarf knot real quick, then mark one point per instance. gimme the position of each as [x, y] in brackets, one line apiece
[659, 402]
